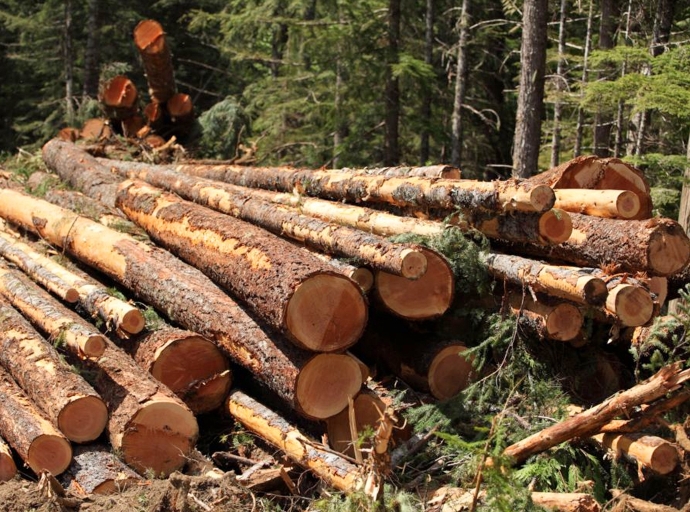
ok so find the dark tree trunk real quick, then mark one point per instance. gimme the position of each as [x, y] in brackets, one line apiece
[280, 38]
[391, 154]
[428, 87]
[460, 86]
[577, 151]
[560, 78]
[604, 120]
[531, 94]
[92, 54]
[68, 56]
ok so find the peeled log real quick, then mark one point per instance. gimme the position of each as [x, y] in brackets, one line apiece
[328, 466]
[8, 469]
[119, 97]
[632, 305]
[612, 204]
[420, 299]
[190, 365]
[33, 437]
[96, 470]
[651, 452]
[547, 320]
[191, 300]
[276, 279]
[149, 38]
[566, 501]
[65, 397]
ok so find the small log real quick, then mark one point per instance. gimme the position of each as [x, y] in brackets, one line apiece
[131, 125]
[652, 452]
[632, 305]
[572, 283]
[273, 277]
[149, 38]
[65, 397]
[428, 171]
[33, 437]
[153, 112]
[96, 470]
[326, 465]
[547, 228]
[68, 134]
[119, 98]
[316, 386]
[190, 365]
[566, 501]
[8, 469]
[180, 108]
[612, 204]
[666, 380]
[420, 299]
[345, 428]
[546, 319]
[96, 129]
[629, 503]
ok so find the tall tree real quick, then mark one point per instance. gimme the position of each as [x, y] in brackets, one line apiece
[580, 128]
[460, 85]
[92, 52]
[560, 87]
[428, 91]
[526, 143]
[603, 119]
[68, 62]
[391, 150]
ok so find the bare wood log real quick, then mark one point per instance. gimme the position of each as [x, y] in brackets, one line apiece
[637, 505]
[247, 205]
[331, 468]
[316, 386]
[149, 38]
[33, 437]
[60, 323]
[65, 397]
[651, 452]
[96, 129]
[572, 283]
[546, 319]
[612, 204]
[8, 469]
[273, 277]
[427, 171]
[550, 227]
[420, 299]
[666, 380]
[657, 246]
[190, 365]
[119, 97]
[632, 305]
[566, 501]
[154, 114]
[180, 108]
[345, 428]
[96, 470]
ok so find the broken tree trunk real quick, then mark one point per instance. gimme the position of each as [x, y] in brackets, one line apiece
[317, 386]
[33, 437]
[420, 299]
[119, 98]
[246, 204]
[651, 452]
[571, 283]
[190, 365]
[96, 470]
[149, 38]
[328, 466]
[61, 324]
[566, 501]
[65, 397]
[666, 380]
[546, 319]
[8, 469]
[276, 279]
[427, 171]
[657, 246]
[612, 204]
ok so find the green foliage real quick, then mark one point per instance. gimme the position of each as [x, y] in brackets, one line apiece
[398, 501]
[221, 126]
[152, 320]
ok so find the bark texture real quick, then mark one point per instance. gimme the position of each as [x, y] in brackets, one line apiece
[150, 41]
[96, 470]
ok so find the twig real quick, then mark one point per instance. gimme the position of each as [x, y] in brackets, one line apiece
[199, 502]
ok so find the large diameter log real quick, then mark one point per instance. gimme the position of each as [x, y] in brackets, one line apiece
[415, 192]
[612, 204]
[666, 380]
[420, 299]
[193, 301]
[33, 437]
[149, 38]
[65, 397]
[572, 283]
[546, 319]
[61, 324]
[566, 501]
[119, 97]
[284, 287]
[651, 452]
[657, 246]
[8, 469]
[551, 227]
[190, 365]
[96, 470]
[328, 466]
[251, 206]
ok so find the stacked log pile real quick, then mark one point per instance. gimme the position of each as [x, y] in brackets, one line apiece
[245, 288]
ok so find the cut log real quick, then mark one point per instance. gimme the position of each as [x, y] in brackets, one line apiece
[427, 171]
[657, 246]
[332, 469]
[149, 38]
[191, 300]
[8, 469]
[572, 283]
[566, 501]
[245, 204]
[630, 503]
[652, 452]
[131, 125]
[154, 114]
[180, 108]
[551, 227]
[546, 319]
[190, 365]
[365, 414]
[33, 437]
[119, 98]
[360, 275]
[612, 204]
[61, 324]
[418, 192]
[96, 470]
[68, 134]
[65, 397]
[273, 277]
[420, 299]
[96, 129]
[632, 305]
[666, 380]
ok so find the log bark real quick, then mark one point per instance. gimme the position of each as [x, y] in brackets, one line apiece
[360, 275]
[119, 98]
[612, 204]
[65, 397]
[447, 172]
[270, 275]
[317, 386]
[329, 467]
[566, 501]
[546, 319]
[191, 366]
[96, 470]
[149, 38]
[428, 297]
[8, 469]
[32, 436]
[551, 227]
[657, 246]
[96, 129]
[666, 380]
[652, 452]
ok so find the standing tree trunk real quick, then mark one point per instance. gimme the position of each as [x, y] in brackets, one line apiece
[531, 94]
[391, 153]
[68, 56]
[560, 78]
[579, 132]
[604, 120]
[428, 87]
[460, 85]
[92, 54]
